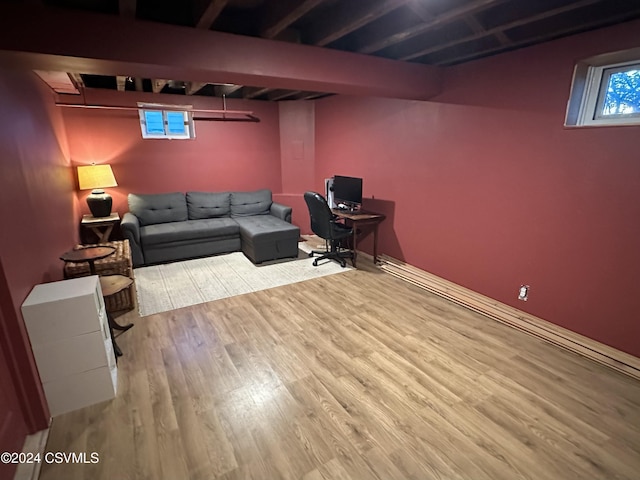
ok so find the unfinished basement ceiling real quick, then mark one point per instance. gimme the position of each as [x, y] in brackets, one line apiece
[433, 32]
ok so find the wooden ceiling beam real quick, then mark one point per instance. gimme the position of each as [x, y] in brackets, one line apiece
[206, 14]
[348, 17]
[127, 8]
[286, 13]
[372, 45]
[500, 29]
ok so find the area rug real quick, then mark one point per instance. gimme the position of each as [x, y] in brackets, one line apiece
[162, 288]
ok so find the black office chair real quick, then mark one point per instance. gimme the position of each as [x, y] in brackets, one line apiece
[324, 224]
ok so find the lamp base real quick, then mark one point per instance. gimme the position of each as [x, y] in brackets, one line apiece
[99, 203]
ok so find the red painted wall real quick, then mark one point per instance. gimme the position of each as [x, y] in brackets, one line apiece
[223, 156]
[37, 205]
[487, 188]
[297, 153]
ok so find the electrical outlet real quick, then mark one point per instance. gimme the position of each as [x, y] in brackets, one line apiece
[523, 293]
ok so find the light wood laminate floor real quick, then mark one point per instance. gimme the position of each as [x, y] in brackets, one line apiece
[352, 376]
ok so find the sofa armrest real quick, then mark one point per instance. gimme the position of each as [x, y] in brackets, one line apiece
[130, 227]
[280, 211]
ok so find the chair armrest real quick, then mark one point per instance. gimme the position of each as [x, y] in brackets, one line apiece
[280, 211]
[130, 227]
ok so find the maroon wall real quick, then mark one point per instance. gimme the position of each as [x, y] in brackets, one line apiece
[297, 154]
[38, 209]
[489, 190]
[223, 156]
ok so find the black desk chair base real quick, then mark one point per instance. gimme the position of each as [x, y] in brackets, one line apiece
[332, 254]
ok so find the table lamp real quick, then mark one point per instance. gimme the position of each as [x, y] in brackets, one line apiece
[95, 178]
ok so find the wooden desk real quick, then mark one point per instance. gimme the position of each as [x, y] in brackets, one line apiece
[363, 223]
[101, 226]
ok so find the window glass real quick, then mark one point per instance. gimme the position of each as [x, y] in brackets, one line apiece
[175, 123]
[622, 92]
[154, 122]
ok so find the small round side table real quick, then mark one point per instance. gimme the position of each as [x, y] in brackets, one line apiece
[89, 255]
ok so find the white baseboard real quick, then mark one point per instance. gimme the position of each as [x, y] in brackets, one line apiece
[547, 331]
[35, 444]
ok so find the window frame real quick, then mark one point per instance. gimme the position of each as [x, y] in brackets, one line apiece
[189, 130]
[607, 72]
[589, 87]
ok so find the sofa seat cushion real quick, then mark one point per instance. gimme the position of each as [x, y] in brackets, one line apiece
[266, 228]
[190, 230]
[208, 205]
[158, 208]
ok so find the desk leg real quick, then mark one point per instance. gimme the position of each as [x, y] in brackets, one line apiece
[375, 244]
[354, 245]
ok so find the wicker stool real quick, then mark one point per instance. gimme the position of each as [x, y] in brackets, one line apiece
[117, 264]
[112, 285]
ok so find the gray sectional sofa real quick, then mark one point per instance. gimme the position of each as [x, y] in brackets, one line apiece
[176, 226]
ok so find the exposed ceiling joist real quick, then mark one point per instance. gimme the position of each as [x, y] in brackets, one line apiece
[477, 28]
[77, 80]
[255, 92]
[287, 12]
[282, 94]
[193, 87]
[312, 96]
[529, 41]
[500, 29]
[206, 14]
[418, 7]
[157, 85]
[221, 90]
[348, 17]
[375, 44]
[121, 82]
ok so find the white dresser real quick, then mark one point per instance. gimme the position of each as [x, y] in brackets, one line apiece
[71, 342]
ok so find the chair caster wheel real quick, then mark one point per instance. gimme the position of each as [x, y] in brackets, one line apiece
[315, 262]
[310, 254]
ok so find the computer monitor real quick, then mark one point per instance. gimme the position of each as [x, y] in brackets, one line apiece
[347, 191]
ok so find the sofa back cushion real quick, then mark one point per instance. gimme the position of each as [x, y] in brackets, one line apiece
[244, 204]
[158, 208]
[208, 205]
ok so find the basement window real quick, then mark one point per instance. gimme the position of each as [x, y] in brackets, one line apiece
[156, 122]
[605, 95]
